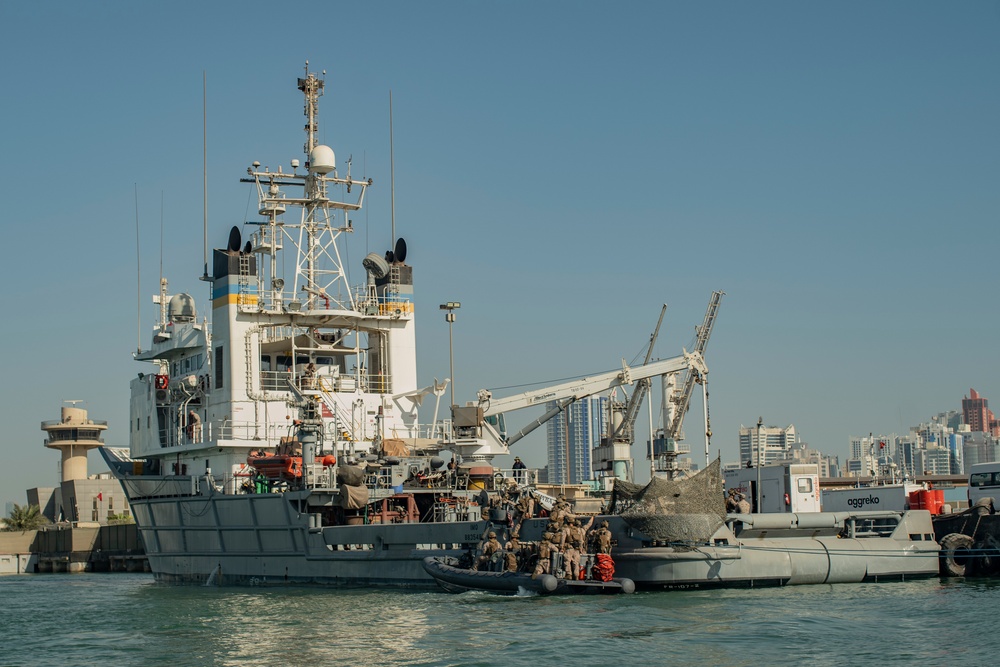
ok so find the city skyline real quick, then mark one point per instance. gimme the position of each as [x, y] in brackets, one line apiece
[948, 443]
[562, 178]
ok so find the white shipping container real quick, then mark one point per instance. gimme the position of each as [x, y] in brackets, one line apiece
[784, 488]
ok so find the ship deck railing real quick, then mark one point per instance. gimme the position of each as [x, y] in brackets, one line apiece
[379, 483]
[255, 434]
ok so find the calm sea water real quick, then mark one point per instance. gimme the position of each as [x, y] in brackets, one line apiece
[126, 619]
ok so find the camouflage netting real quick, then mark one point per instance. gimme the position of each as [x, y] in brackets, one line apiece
[685, 510]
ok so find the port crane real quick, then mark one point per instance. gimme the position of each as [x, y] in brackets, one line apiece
[615, 452]
[665, 446]
[478, 431]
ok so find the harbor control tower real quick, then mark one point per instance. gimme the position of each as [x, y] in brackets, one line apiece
[80, 498]
[74, 435]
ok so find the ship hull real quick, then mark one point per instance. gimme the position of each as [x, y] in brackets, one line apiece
[776, 563]
[274, 540]
[264, 540]
[761, 550]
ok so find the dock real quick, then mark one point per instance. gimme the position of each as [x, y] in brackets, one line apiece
[73, 548]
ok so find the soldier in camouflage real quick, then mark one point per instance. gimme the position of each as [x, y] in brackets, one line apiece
[491, 547]
[545, 549]
[602, 538]
[512, 555]
[573, 544]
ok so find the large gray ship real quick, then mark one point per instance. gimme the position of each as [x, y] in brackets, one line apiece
[282, 444]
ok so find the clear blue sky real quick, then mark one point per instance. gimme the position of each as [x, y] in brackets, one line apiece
[562, 169]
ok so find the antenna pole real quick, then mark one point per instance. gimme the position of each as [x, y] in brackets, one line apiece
[161, 234]
[204, 166]
[138, 276]
[392, 178]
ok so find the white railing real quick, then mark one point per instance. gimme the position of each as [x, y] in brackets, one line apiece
[233, 430]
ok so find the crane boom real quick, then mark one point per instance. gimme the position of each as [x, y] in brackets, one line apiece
[624, 432]
[689, 361]
[703, 334]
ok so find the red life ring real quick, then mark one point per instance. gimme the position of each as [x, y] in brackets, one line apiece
[161, 382]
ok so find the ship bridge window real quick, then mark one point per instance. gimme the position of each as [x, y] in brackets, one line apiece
[219, 376]
[283, 363]
[265, 363]
[324, 361]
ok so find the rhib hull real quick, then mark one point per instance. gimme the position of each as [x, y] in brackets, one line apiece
[787, 549]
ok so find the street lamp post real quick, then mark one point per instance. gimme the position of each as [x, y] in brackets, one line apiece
[760, 427]
[449, 317]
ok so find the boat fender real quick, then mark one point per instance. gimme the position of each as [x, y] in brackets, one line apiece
[548, 583]
[955, 554]
[628, 586]
[989, 550]
[160, 382]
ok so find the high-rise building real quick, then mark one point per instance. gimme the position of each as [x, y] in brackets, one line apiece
[907, 452]
[571, 436]
[950, 418]
[955, 446]
[870, 455]
[936, 461]
[978, 447]
[774, 444]
[800, 452]
[976, 412]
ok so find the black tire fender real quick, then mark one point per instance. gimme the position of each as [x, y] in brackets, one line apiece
[989, 556]
[955, 554]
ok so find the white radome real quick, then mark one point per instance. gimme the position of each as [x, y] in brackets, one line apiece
[322, 160]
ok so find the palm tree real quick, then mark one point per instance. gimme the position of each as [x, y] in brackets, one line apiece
[26, 517]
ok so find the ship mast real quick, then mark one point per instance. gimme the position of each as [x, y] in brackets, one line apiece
[319, 270]
[312, 88]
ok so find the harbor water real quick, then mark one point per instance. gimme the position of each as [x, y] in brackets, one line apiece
[127, 619]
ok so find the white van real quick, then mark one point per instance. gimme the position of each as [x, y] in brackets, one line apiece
[984, 482]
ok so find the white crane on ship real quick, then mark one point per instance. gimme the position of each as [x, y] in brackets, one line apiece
[665, 446]
[615, 451]
[478, 430]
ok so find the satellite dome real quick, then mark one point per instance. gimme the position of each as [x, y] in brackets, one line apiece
[322, 160]
[181, 308]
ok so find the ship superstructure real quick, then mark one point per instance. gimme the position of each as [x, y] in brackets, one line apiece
[219, 392]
